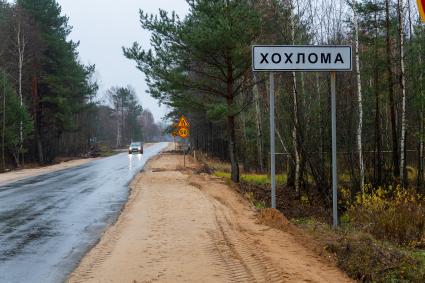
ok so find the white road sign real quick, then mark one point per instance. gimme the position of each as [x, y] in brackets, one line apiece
[301, 58]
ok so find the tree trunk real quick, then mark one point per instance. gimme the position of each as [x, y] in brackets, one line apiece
[211, 133]
[403, 178]
[422, 127]
[260, 144]
[258, 121]
[396, 169]
[295, 112]
[263, 95]
[4, 121]
[120, 113]
[246, 164]
[231, 123]
[118, 143]
[36, 119]
[302, 126]
[378, 146]
[359, 99]
[321, 136]
[378, 138]
[419, 181]
[232, 148]
[21, 52]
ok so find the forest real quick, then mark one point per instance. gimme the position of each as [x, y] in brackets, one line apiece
[200, 66]
[50, 103]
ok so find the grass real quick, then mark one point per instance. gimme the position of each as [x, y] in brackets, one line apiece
[257, 179]
[216, 165]
[381, 237]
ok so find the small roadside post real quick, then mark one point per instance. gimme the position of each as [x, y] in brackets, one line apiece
[175, 134]
[303, 58]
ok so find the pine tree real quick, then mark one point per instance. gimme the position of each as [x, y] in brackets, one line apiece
[60, 84]
[208, 52]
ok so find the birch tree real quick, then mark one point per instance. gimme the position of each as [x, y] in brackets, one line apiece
[20, 46]
[295, 128]
[359, 94]
[403, 93]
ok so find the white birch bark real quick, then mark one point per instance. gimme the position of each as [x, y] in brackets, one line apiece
[359, 98]
[21, 53]
[295, 110]
[403, 92]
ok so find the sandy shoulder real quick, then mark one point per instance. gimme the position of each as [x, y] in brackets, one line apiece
[182, 227]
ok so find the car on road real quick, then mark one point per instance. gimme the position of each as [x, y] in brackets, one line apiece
[135, 147]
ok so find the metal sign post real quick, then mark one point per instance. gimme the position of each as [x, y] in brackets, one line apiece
[334, 159]
[303, 58]
[183, 131]
[272, 142]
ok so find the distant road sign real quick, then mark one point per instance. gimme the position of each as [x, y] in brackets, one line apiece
[301, 58]
[183, 132]
[175, 133]
[183, 123]
[421, 6]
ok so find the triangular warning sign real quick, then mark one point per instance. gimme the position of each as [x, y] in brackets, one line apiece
[183, 123]
[421, 6]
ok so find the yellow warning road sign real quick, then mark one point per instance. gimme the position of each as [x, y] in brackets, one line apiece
[183, 123]
[183, 132]
[421, 6]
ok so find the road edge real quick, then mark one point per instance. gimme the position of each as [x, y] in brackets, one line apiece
[132, 194]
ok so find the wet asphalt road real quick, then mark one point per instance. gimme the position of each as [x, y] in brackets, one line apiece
[48, 222]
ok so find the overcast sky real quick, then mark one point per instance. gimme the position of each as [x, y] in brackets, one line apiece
[103, 27]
